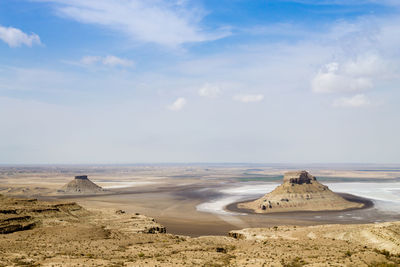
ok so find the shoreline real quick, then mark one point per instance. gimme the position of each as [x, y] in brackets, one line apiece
[367, 203]
[175, 208]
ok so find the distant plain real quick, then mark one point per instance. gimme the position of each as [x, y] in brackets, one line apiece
[191, 199]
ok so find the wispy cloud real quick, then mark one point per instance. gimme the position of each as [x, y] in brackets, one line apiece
[178, 104]
[349, 76]
[269, 74]
[15, 37]
[89, 60]
[111, 61]
[249, 98]
[169, 23]
[210, 91]
[329, 80]
[116, 61]
[345, 2]
[356, 101]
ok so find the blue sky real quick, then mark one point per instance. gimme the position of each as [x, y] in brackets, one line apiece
[129, 81]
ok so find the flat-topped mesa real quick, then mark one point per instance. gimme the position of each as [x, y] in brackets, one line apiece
[81, 185]
[300, 191]
[298, 177]
[81, 177]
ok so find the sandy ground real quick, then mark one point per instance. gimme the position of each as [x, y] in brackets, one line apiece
[170, 194]
[65, 234]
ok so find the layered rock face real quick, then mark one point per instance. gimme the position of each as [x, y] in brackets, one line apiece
[383, 236]
[81, 184]
[298, 177]
[24, 214]
[300, 191]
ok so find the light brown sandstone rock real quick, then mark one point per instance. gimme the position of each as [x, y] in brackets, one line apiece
[81, 185]
[300, 191]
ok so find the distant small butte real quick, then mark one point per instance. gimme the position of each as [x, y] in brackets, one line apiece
[81, 185]
[300, 191]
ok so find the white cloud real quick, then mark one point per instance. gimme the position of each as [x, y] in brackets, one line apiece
[367, 65]
[329, 80]
[169, 23]
[15, 37]
[209, 90]
[347, 2]
[178, 104]
[115, 61]
[359, 100]
[249, 98]
[283, 76]
[111, 61]
[89, 60]
[349, 76]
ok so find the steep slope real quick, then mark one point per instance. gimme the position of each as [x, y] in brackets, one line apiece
[81, 184]
[24, 214]
[300, 191]
[379, 236]
[69, 235]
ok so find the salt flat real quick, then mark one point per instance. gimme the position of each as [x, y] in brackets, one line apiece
[192, 199]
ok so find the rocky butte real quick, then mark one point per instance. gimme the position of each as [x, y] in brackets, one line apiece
[81, 184]
[300, 191]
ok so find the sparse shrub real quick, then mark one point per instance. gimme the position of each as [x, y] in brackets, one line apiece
[382, 264]
[296, 262]
[231, 247]
[383, 252]
[221, 250]
[90, 255]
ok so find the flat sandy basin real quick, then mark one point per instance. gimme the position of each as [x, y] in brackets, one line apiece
[198, 200]
[176, 208]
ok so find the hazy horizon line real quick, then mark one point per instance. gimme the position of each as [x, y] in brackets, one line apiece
[203, 163]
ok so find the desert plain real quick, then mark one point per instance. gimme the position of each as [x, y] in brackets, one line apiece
[197, 205]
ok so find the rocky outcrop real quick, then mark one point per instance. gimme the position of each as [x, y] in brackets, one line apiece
[132, 223]
[24, 214]
[81, 185]
[300, 191]
[16, 223]
[236, 235]
[381, 236]
[298, 177]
